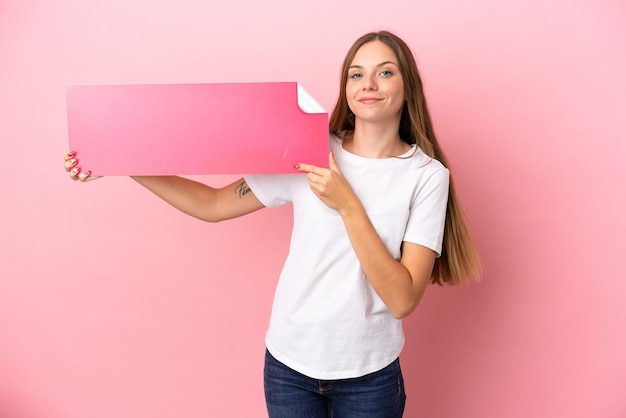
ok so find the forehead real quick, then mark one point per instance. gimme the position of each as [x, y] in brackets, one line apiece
[373, 53]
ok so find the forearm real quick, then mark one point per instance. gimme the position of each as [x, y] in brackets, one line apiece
[391, 280]
[202, 201]
[186, 195]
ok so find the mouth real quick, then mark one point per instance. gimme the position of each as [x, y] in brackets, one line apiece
[369, 100]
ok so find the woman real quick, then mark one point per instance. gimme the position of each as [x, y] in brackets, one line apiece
[370, 232]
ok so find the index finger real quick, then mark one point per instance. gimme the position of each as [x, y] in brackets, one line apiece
[308, 168]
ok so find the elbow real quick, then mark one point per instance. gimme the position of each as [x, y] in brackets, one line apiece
[401, 312]
[203, 217]
[209, 219]
[405, 306]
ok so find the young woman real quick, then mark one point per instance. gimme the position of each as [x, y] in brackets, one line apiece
[370, 232]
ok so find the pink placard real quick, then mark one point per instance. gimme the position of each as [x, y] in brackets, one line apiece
[169, 129]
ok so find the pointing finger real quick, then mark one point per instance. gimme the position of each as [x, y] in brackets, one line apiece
[306, 168]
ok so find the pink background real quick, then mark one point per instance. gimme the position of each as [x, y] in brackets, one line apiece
[112, 304]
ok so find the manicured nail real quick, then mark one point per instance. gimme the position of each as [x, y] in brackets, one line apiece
[71, 154]
[87, 173]
[73, 161]
[76, 170]
[297, 166]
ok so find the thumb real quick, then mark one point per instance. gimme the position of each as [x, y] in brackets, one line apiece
[332, 164]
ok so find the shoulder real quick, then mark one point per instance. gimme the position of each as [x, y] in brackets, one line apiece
[422, 162]
[427, 172]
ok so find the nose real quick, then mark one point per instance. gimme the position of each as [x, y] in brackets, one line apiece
[369, 82]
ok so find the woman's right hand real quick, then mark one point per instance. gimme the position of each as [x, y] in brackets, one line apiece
[74, 170]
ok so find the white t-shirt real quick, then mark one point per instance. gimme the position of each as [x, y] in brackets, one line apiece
[327, 321]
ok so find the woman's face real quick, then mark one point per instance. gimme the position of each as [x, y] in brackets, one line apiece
[374, 88]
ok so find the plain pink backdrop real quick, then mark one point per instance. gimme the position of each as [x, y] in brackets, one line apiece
[112, 304]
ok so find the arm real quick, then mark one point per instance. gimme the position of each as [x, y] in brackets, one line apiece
[201, 201]
[400, 284]
[193, 198]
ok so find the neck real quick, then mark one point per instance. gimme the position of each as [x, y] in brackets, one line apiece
[375, 140]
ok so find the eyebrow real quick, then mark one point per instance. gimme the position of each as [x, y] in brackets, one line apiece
[379, 65]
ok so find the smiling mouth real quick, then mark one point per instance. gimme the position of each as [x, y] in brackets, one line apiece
[369, 100]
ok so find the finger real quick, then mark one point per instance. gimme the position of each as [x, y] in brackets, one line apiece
[70, 163]
[84, 176]
[70, 155]
[302, 167]
[74, 172]
[308, 168]
[314, 178]
[332, 164]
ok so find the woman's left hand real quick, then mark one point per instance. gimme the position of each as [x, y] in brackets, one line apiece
[330, 185]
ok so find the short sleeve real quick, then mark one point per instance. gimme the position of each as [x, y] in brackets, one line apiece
[427, 215]
[271, 189]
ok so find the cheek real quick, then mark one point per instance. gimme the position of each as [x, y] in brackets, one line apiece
[400, 98]
[350, 91]
[400, 91]
[350, 95]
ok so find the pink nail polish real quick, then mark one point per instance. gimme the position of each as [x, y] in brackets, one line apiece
[297, 166]
[71, 154]
[73, 161]
[87, 173]
[76, 170]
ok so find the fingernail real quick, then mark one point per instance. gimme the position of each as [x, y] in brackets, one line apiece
[71, 154]
[76, 170]
[73, 161]
[297, 166]
[87, 173]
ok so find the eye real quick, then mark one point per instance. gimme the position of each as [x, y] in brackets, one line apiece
[356, 76]
[386, 73]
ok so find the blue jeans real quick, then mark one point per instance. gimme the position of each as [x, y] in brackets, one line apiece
[289, 394]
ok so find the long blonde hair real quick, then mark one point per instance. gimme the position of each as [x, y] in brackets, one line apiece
[459, 261]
